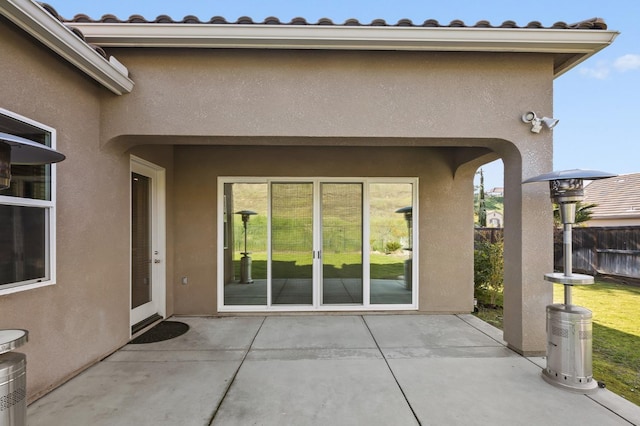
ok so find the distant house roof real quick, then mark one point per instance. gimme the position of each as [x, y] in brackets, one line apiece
[616, 198]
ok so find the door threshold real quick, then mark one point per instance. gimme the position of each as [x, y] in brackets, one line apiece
[145, 322]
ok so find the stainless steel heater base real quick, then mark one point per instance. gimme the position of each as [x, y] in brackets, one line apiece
[569, 348]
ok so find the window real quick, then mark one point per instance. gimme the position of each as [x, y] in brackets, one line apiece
[27, 214]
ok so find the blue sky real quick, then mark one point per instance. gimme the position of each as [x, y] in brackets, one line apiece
[597, 103]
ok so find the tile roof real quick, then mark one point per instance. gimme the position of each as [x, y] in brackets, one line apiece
[590, 24]
[615, 197]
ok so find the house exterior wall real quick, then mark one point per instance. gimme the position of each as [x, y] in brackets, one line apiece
[296, 113]
[445, 256]
[81, 318]
[325, 98]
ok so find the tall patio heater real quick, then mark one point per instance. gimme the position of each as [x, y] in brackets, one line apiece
[13, 365]
[569, 327]
[408, 264]
[245, 260]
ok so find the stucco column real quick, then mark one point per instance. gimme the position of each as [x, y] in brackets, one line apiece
[528, 254]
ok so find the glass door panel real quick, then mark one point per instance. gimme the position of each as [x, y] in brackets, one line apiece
[245, 243]
[292, 249]
[391, 235]
[341, 243]
[141, 256]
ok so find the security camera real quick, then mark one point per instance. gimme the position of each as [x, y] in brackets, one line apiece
[529, 116]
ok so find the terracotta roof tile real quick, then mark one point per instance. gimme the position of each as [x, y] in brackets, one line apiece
[590, 24]
[76, 31]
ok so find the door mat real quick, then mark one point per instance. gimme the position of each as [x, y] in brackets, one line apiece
[164, 331]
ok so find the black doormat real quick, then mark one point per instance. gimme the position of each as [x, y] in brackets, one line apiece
[164, 331]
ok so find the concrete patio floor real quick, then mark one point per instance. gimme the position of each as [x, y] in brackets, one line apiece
[325, 370]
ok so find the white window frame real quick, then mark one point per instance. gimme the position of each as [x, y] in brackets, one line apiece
[366, 306]
[50, 216]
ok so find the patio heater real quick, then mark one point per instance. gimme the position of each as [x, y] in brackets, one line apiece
[569, 327]
[13, 365]
[245, 260]
[408, 264]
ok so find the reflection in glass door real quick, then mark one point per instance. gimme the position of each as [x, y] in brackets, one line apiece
[292, 250]
[341, 243]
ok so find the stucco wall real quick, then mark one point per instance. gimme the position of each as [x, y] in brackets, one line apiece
[196, 97]
[81, 318]
[446, 249]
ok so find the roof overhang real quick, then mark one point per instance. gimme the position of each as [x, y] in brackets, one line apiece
[569, 46]
[37, 22]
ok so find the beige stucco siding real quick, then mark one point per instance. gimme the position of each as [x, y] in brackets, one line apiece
[324, 98]
[85, 315]
[445, 229]
[329, 94]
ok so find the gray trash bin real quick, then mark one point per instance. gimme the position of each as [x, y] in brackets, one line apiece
[13, 379]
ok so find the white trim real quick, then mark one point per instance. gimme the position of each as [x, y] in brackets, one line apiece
[50, 209]
[580, 43]
[317, 305]
[36, 21]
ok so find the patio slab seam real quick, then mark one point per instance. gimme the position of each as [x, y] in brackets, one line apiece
[235, 373]
[386, 361]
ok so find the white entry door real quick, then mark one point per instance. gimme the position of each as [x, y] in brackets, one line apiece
[147, 241]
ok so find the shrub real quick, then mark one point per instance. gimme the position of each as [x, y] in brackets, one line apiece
[489, 268]
[392, 246]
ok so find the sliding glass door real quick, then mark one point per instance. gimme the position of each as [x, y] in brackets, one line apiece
[323, 244]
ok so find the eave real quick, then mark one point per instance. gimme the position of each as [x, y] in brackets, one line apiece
[569, 46]
[37, 22]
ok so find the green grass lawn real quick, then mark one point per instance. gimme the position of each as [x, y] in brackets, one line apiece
[337, 265]
[616, 332]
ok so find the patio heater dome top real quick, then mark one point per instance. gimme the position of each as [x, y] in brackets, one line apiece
[25, 151]
[408, 209]
[571, 174]
[246, 212]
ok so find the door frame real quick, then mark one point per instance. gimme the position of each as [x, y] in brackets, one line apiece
[317, 306]
[157, 305]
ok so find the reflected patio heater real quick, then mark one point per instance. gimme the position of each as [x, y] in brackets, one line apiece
[569, 327]
[408, 264]
[13, 365]
[245, 260]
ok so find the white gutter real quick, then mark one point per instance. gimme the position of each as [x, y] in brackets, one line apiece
[578, 44]
[36, 21]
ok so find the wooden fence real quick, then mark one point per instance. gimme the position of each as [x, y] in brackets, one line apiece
[606, 251]
[613, 251]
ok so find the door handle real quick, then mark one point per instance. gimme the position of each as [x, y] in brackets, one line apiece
[156, 260]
